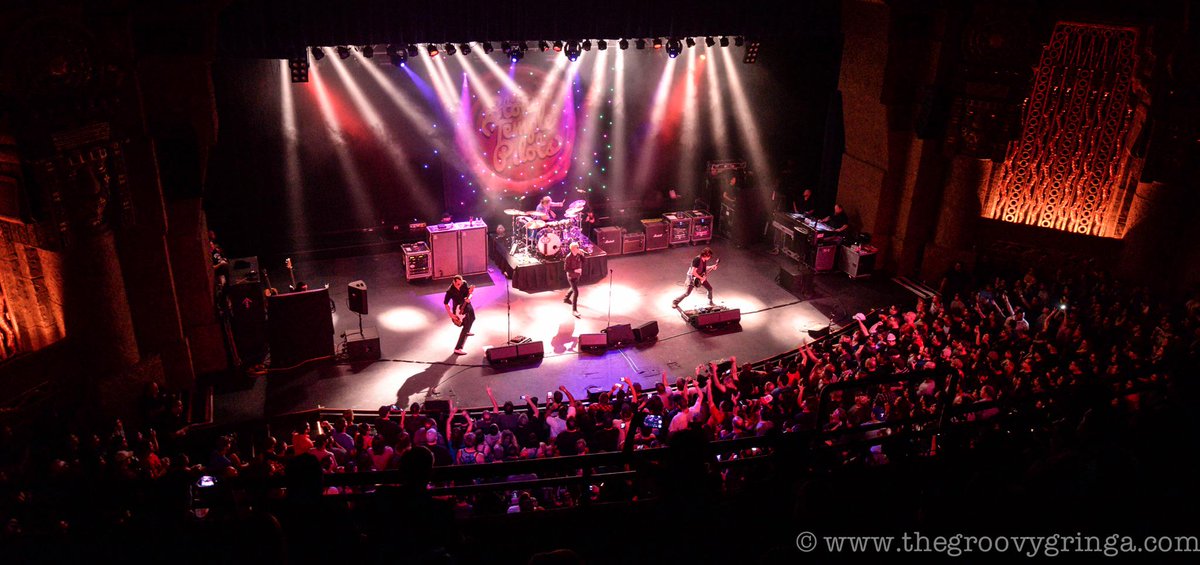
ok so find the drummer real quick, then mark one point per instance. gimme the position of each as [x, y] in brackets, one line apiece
[545, 207]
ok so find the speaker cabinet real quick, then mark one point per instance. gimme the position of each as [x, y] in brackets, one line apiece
[609, 239]
[443, 246]
[656, 234]
[473, 254]
[357, 293]
[300, 327]
[620, 334]
[593, 342]
[646, 332]
[364, 346]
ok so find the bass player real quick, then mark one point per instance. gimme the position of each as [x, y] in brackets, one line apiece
[458, 307]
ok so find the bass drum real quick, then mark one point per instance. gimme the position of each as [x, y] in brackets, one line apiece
[548, 244]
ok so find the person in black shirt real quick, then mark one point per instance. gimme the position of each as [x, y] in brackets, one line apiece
[698, 276]
[574, 267]
[838, 221]
[807, 204]
[461, 311]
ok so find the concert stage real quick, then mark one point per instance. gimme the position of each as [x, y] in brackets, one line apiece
[417, 339]
[531, 274]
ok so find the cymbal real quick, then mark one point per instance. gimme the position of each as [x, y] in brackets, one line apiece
[536, 214]
[514, 212]
[577, 205]
[535, 225]
[573, 213]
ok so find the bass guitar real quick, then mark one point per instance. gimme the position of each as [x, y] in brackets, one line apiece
[457, 315]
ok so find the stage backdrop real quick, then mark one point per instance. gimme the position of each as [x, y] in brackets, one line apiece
[367, 145]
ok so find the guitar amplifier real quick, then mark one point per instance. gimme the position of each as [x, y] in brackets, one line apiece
[679, 228]
[609, 240]
[633, 243]
[702, 225]
[656, 233]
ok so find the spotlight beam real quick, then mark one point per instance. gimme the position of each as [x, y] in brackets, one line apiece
[716, 105]
[358, 189]
[294, 178]
[646, 162]
[397, 158]
[747, 124]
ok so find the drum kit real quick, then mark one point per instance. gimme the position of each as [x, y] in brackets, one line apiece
[536, 234]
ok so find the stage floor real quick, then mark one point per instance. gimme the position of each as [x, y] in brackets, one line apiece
[417, 339]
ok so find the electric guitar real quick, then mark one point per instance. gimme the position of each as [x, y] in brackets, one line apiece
[291, 272]
[698, 281]
[269, 290]
[457, 315]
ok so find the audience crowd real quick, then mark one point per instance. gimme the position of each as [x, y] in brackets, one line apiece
[981, 347]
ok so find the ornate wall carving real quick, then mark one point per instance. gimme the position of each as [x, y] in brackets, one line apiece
[1070, 168]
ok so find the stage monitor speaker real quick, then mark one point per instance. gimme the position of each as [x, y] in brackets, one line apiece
[364, 346]
[593, 342]
[620, 334]
[646, 332]
[796, 278]
[357, 292]
[633, 243]
[519, 353]
[300, 327]
[717, 319]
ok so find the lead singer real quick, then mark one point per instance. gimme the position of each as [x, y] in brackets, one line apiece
[574, 267]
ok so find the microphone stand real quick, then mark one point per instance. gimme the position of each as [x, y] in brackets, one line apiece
[610, 283]
[508, 302]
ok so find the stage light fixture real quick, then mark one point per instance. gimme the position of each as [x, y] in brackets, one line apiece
[751, 52]
[573, 51]
[543, 46]
[658, 43]
[587, 45]
[505, 46]
[450, 49]
[299, 67]
[602, 45]
[725, 41]
[739, 40]
[623, 44]
[343, 51]
[558, 46]
[318, 53]
[396, 55]
[641, 43]
[368, 51]
[691, 41]
[515, 55]
[412, 50]
[673, 48]
[487, 47]
[709, 41]
[465, 48]
[523, 46]
[433, 50]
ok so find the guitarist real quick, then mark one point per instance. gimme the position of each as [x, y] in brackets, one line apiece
[461, 312]
[697, 275]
